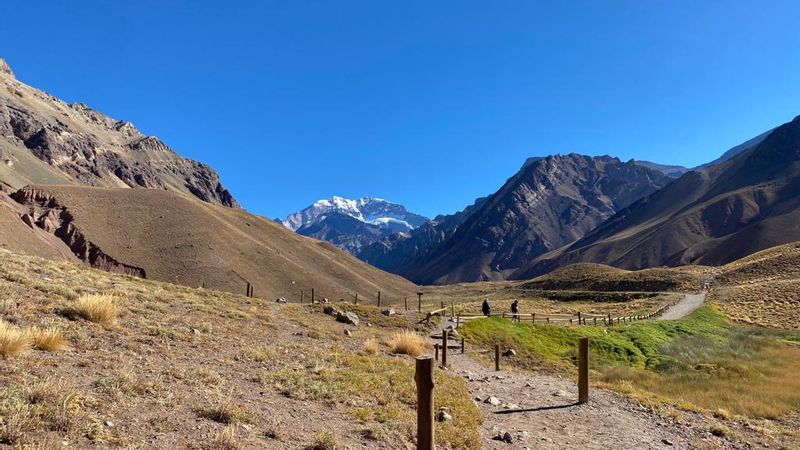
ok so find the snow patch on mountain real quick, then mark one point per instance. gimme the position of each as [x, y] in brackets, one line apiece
[371, 210]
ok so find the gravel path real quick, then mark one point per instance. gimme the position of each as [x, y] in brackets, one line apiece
[684, 307]
[539, 411]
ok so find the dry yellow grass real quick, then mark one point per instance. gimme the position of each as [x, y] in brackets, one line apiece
[98, 308]
[409, 343]
[49, 339]
[13, 341]
[371, 346]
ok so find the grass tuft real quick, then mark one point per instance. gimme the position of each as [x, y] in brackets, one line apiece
[13, 341]
[49, 340]
[324, 440]
[371, 346]
[98, 308]
[407, 342]
[223, 440]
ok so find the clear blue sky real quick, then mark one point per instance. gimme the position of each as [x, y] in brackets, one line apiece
[428, 103]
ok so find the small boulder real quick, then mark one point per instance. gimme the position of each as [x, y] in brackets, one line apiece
[281, 300]
[492, 400]
[504, 436]
[324, 300]
[331, 311]
[443, 415]
[510, 352]
[347, 332]
[349, 318]
[388, 312]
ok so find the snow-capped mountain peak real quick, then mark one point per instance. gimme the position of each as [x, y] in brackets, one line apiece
[325, 219]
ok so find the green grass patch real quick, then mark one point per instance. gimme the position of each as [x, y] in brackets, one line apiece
[699, 362]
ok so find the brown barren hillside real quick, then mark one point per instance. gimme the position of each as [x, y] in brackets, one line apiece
[170, 237]
[599, 277]
[763, 288]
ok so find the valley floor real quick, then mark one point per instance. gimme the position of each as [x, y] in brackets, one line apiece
[190, 368]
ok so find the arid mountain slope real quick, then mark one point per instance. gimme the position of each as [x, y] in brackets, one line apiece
[762, 288]
[169, 237]
[550, 202]
[44, 140]
[725, 212]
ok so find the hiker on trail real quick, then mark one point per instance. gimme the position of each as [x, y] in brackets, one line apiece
[487, 310]
[515, 311]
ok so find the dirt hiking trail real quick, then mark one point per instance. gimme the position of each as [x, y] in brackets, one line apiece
[540, 411]
[686, 306]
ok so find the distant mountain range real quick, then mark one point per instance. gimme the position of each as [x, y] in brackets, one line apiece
[574, 208]
[550, 202]
[353, 224]
[747, 202]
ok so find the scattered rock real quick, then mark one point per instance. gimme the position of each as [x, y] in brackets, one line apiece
[388, 312]
[324, 300]
[281, 300]
[349, 318]
[195, 331]
[109, 423]
[504, 436]
[560, 394]
[667, 442]
[510, 352]
[347, 332]
[492, 400]
[331, 311]
[443, 415]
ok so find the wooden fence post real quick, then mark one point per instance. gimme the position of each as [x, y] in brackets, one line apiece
[533, 318]
[610, 322]
[436, 349]
[496, 357]
[452, 308]
[583, 370]
[462, 346]
[405, 301]
[355, 300]
[379, 299]
[444, 348]
[424, 379]
[579, 318]
[302, 294]
[312, 296]
[419, 300]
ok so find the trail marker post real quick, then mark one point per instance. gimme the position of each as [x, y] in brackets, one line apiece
[583, 370]
[424, 380]
[444, 348]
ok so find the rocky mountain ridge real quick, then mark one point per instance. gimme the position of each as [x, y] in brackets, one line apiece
[44, 140]
[550, 202]
[746, 203]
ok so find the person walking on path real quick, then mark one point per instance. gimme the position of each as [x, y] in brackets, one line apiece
[487, 310]
[515, 311]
